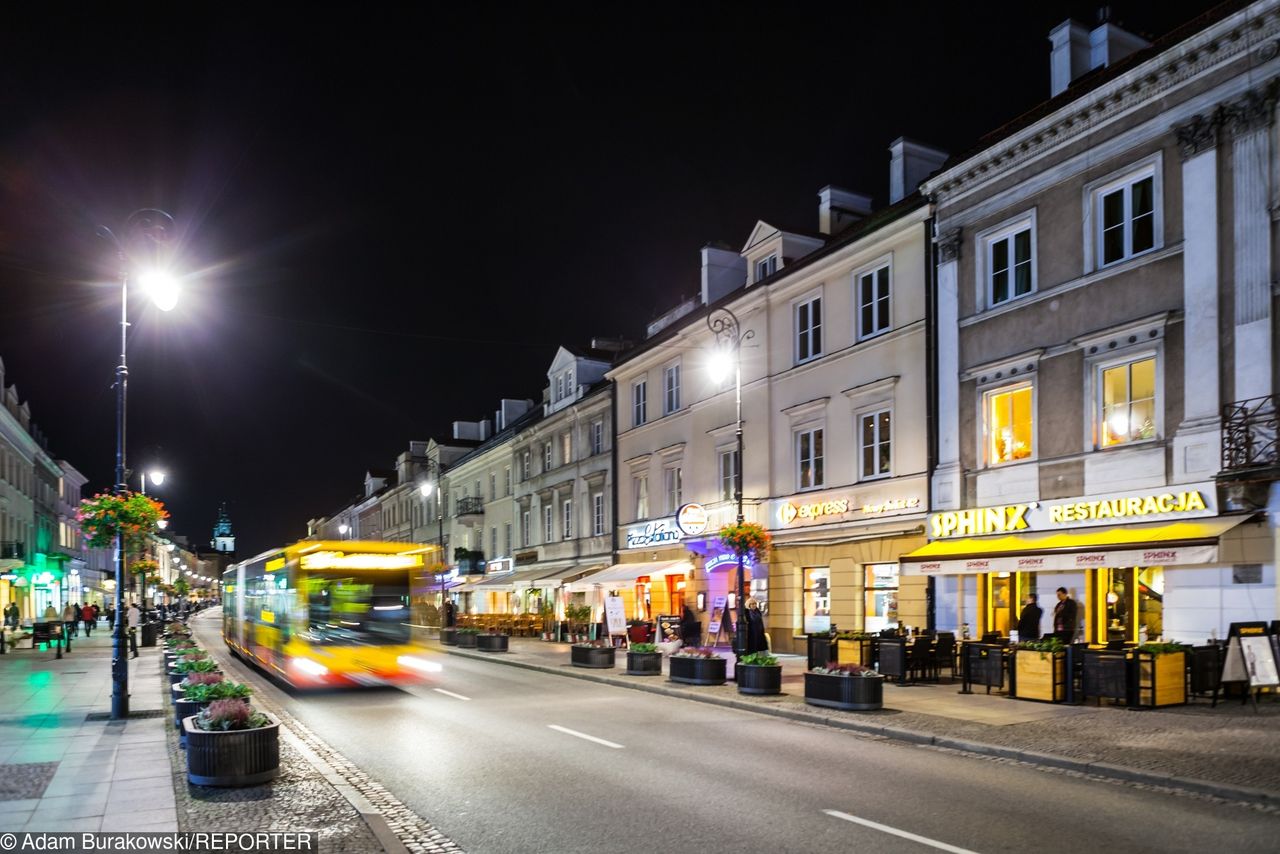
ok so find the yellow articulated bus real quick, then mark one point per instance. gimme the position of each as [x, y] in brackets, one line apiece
[324, 613]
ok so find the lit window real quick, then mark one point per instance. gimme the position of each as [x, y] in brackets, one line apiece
[671, 389]
[1008, 423]
[809, 473]
[1009, 266]
[1128, 402]
[817, 599]
[640, 489]
[873, 302]
[766, 267]
[874, 429]
[728, 475]
[639, 399]
[882, 597]
[808, 329]
[672, 488]
[1127, 219]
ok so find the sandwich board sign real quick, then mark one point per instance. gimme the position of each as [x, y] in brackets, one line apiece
[1252, 655]
[615, 615]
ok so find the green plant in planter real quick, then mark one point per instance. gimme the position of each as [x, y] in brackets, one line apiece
[199, 665]
[221, 690]
[1160, 647]
[822, 634]
[758, 659]
[193, 655]
[469, 631]
[200, 679]
[227, 715]
[1046, 645]
[850, 636]
[695, 652]
[644, 647]
[846, 670]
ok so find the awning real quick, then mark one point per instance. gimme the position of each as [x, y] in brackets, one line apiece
[500, 581]
[621, 574]
[557, 577]
[1154, 544]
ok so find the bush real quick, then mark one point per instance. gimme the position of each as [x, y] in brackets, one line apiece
[759, 659]
[845, 670]
[644, 647]
[1160, 647]
[468, 631]
[220, 690]
[200, 665]
[228, 715]
[1052, 643]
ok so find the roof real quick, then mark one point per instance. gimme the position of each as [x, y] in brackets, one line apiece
[534, 414]
[590, 353]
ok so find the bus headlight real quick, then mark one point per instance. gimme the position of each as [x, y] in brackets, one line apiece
[412, 662]
[309, 667]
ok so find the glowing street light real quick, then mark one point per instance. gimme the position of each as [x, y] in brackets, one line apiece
[342, 529]
[162, 287]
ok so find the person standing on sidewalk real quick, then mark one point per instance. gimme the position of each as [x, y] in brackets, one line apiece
[90, 615]
[12, 615]
[70, 619]
[1029, 620]
[135, 620]
[111, 617]
[756, 641]
[1064, 617]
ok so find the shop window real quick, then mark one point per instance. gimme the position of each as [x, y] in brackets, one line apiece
[817, 599]
[1133, 599]
[882, 597]
[1008, 424]
[1128, 402]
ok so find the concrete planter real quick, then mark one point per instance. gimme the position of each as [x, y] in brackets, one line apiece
[238, 758]
[492, 643]
[848, 693]
[449, 636]
[697, 671]
[644, 664]
[759, 678]
[598, 657]
[467, 640]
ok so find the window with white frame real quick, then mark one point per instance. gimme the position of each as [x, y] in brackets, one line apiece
[546, 456]
[672, 488]
[597, 514]
[566, 448]
[808, 316]
[640, 489]
[559, 388]
[1126, 215]
[728, 474]
[548, 523]
[766, 267]
[873, 302]
[493, 486]
[525, 533]
[566, 524]
[597, 438]
[506, 479]
[1008, 424]
[875, 438]
[506, 536]
[1127, 401]
[1010, 263]
[526, 464]
[671, 388]
[809, 462]
[639, 403]
[493, 542]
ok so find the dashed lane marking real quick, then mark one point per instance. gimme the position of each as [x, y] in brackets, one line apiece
[450, 694]
[583, 735]
[893, 831]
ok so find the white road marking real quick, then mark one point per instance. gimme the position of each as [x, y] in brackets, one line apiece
[450, 694]
[574, 732]
[893, 831]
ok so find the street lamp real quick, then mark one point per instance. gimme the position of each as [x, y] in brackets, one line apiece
[729, 336]
[152, 228]
[342, 530]
[425, 490]
[156, 476]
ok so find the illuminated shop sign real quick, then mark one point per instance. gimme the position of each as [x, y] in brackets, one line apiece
[798, 512]
[656, 533]
[727, 560]
[1146, 506]
[1064, 562]
[691, 519]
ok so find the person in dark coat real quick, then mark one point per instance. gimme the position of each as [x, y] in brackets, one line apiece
[450, 614]
[690, 631]
[756, 641]
[1029, 620]
[1064, 617]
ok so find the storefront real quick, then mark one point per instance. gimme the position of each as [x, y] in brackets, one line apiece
[835, 561]
[1140, 565]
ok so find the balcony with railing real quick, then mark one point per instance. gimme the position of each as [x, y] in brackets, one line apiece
[13, 550]
[469, 510]
[1249, 440]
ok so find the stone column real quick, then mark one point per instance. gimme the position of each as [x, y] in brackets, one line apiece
[1197, 441]
[1250, 122]
[946, 476]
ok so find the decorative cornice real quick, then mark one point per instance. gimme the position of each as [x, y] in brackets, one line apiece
[1255, 110]
[949, 245]
[1199, 134]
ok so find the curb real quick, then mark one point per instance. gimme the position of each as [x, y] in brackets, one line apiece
[1108, 770]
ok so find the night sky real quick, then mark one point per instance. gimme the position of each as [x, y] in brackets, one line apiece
[389, 220]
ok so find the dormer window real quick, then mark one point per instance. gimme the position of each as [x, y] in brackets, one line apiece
[559, 388]
[766, 267]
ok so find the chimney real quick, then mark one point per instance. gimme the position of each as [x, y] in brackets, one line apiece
[1077, 50]
[838, 209]
[910, 163]
[723, 271]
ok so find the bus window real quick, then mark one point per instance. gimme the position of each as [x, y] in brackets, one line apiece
[357, 608]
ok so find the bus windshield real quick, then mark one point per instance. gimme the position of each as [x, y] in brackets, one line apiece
[351, 608]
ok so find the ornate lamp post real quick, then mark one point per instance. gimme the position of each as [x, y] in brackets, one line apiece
[729, 336]
[151, 227]
[425, 490]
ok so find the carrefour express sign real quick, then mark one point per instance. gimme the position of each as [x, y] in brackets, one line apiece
[1182, 502]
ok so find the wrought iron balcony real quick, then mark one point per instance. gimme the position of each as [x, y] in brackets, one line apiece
[469, 509]
[1249, 439]
[13, 550]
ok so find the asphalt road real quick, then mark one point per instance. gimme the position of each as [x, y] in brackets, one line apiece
[503, 759]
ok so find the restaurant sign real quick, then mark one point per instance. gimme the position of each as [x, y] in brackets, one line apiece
[1182, 502]
[659, 532]
[1065, 562]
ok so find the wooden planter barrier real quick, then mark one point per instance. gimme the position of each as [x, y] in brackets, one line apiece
[1161, 679]
[1040, 675]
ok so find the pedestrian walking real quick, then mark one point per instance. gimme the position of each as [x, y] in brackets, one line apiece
[12, 615]
[89, 614]
[77, 615]
[1064, 617]
[69, 619]
[1029, 620]
[111, 617]
[756, 640]
[134, 618]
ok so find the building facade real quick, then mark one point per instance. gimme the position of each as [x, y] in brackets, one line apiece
[1104, 291]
